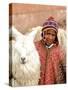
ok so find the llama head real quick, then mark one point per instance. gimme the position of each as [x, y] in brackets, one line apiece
[24, 45]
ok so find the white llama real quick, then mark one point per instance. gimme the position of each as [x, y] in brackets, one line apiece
[25, 62]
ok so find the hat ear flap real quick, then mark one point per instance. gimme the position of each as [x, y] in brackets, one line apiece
[41, 34]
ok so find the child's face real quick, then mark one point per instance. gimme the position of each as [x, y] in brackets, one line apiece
[49, 36]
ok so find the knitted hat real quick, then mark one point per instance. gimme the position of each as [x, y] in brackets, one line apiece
[50, 23]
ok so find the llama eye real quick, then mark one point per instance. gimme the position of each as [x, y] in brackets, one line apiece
[29, 52]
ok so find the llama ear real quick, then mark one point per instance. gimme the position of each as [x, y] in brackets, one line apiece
[34, 32]
[15, 33]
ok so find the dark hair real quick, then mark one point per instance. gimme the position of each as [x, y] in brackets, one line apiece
[56, 40]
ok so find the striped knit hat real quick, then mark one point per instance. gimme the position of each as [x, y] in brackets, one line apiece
[50, 23]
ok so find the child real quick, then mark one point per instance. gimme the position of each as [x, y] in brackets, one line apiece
[52, 56]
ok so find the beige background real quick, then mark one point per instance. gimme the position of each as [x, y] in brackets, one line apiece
[26, 16]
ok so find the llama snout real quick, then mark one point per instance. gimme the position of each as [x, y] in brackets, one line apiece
[23, 60]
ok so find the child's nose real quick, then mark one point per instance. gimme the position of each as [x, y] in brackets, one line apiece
[50, 36]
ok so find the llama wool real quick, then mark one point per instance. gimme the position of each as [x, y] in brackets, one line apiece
[24, 71]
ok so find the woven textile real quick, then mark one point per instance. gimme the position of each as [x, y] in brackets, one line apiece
[52, 68]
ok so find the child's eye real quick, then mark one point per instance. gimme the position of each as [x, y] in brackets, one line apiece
[53, 34]
[50, 34]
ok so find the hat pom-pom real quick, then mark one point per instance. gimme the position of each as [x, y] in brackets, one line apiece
[51, 18]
